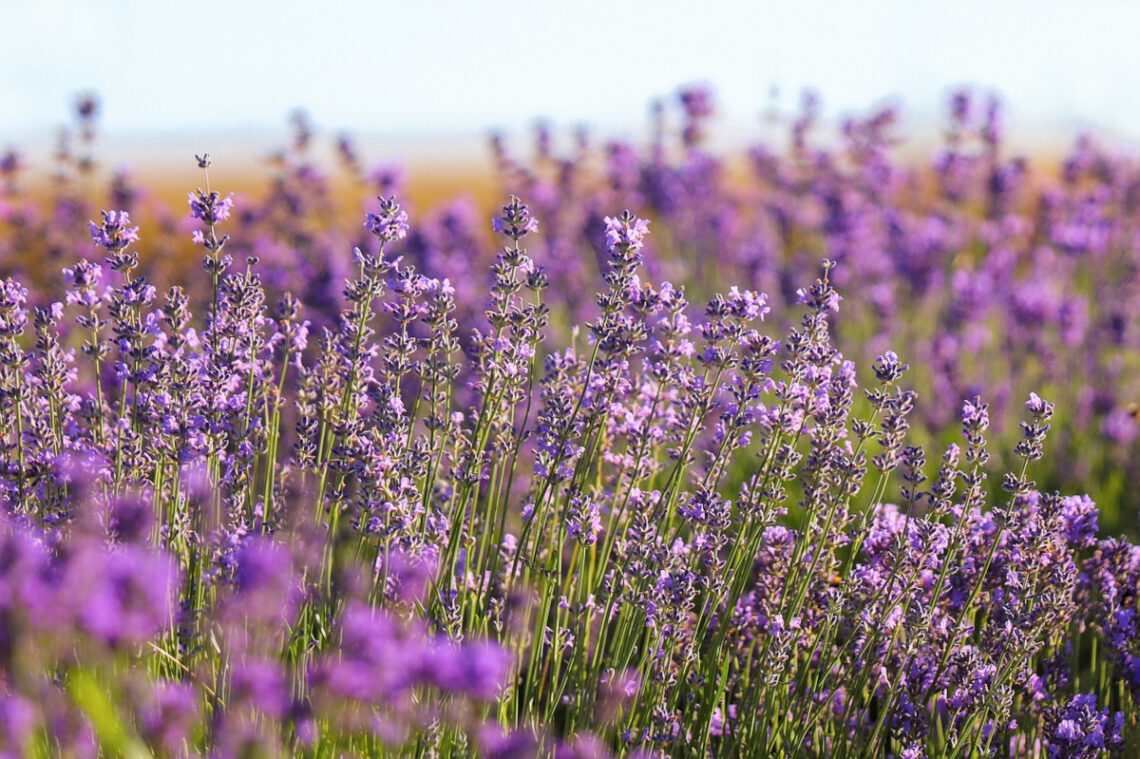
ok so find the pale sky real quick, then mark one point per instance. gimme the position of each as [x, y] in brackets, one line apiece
[444, 67]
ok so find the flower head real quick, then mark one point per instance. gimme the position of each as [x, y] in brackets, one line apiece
[390, 224]
[115, 233]
[515, 221]
[626, 233]
[210, 207]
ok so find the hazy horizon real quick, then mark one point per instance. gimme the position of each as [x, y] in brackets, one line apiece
[450, 69]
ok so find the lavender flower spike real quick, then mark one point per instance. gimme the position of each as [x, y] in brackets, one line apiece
[390, 224]
[115, 233]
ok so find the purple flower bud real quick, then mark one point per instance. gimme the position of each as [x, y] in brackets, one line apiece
[114, 233]
[1038, 406]
[516, 221]
[626, 232]
[975, 414]
[888, 368]
[390, 224]
[210, 207]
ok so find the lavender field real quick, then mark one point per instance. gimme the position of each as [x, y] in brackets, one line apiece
[808, 451]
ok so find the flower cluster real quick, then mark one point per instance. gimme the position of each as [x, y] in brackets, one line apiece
[389, 502]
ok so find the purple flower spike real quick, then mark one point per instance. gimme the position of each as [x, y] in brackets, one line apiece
[888, 368]
[390, 224]
[975, 414]
[210, 207]
[516, 221]
[1039, 406]
[115, 233]
[1081, 730]
[626, 232]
